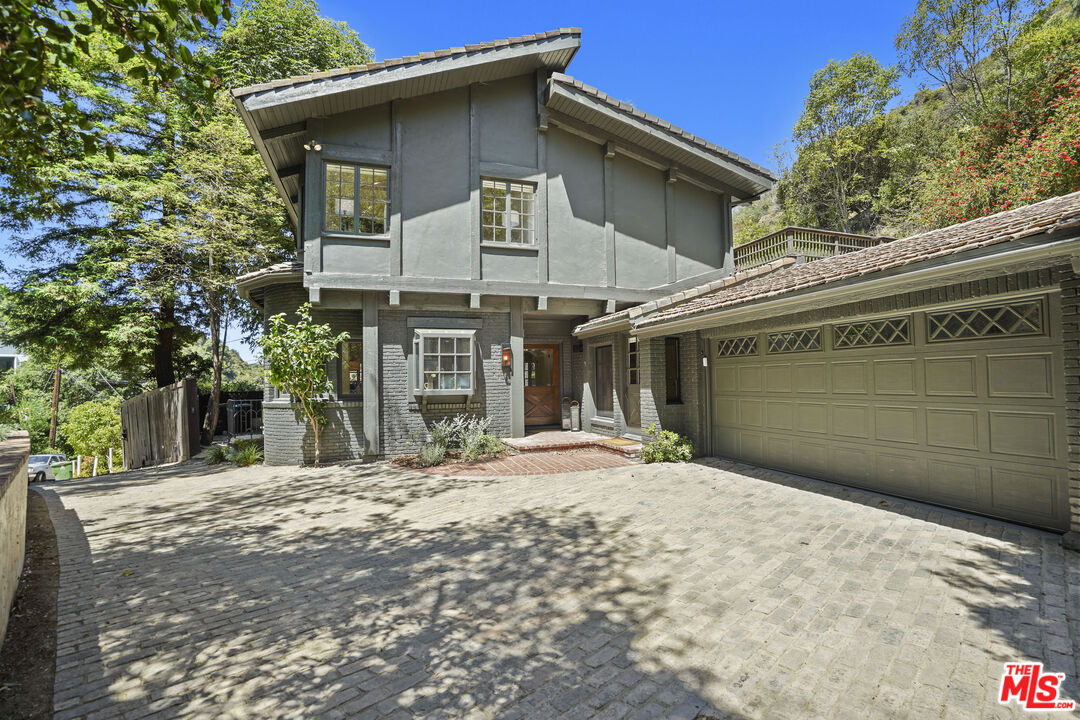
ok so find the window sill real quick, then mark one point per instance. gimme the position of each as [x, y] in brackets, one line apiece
[520, 247]
[674, 402]
[608, 422]
[381, 238]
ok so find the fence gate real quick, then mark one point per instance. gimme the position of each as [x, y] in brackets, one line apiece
[161, 426]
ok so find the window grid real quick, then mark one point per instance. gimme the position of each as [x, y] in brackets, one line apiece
[791, 341]
[892, 331]
[352, 378]
[632, 362]
[1021, 318]
[447, 363]
[731, 347]
[356, 199]
[507, 212]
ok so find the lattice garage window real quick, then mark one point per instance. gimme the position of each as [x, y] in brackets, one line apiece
[989, 321]
[789, 341]
[731, 347]
[891, 331]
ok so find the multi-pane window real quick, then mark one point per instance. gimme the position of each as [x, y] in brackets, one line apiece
[631, 362]
[357, 199]
[507, 212]
[445, 360]
[352, 359]
[672, 370]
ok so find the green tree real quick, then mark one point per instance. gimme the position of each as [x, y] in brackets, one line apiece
[271, 39]
[93, 428]
[41, 39]
[967, 47]
[296, 356]
[839, 141]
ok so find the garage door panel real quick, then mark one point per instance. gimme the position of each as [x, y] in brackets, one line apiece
[896, 424]
[1021, 375]
[751, 412]
[778, 378]
[779, 414]
[1030, 434]
[954, 428]
[900, 473]
[812, 417]
[895, 377]
[971, 423]
[851, 421]
[749, 378]
[810, 377]
[1025, 491]
[850, 378]
[954, 482]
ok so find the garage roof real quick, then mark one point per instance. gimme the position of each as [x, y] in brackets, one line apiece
[1052, 217]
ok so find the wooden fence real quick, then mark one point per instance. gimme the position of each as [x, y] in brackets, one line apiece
[161, 426]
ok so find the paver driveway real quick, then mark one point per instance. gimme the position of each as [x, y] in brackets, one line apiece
[643, 591]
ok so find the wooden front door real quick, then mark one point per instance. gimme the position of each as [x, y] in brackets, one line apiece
[542, 385]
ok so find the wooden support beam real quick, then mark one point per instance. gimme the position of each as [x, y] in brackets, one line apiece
[284, 131]
[474, 301]
[290, 171]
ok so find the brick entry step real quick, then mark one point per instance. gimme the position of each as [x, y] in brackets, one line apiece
[549, 440]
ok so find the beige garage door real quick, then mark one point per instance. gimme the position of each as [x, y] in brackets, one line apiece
[959, 406]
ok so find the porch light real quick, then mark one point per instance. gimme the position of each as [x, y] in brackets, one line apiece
[312, 145]
[507, 357]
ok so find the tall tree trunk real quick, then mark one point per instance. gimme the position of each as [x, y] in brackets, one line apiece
[163, 349]
[216, 352]
[55, 406]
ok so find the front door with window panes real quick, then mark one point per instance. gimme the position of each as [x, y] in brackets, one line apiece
[541, 365]
[632, 413]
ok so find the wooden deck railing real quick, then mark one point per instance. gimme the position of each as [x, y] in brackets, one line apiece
[805, 244]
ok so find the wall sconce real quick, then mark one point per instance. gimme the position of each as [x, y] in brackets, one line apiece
[312, 145]
[507, 357]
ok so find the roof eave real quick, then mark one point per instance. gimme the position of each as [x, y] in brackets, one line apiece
[253, 131]
[1034, 251]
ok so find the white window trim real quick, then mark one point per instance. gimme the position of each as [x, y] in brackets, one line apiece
[530, 232]
[416, 372]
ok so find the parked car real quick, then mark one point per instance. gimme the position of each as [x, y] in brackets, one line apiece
[39, 467]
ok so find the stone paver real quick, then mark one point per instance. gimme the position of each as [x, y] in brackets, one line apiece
[537, 463]
[635, 592]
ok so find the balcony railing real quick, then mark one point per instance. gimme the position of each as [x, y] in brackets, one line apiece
[804, 244]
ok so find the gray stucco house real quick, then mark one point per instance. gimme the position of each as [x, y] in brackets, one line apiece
[496, 236]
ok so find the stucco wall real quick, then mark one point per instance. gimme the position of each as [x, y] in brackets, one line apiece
[13, 454]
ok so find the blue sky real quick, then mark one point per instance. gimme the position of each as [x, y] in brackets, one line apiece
[734, 73]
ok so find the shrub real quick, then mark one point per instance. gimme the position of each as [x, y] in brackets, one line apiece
[216, 455]
[453, 432]
[432, 453]
[94, 427]
[247, 454]
[667, 446]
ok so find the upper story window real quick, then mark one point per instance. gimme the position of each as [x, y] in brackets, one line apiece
[507, 211]
[357, 199]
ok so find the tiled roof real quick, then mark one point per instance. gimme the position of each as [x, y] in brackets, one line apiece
[664, 125]
[410, 60]
[1049, 216]
[284, 268]
[638, 310]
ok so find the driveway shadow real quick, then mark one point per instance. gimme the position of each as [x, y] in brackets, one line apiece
[302, 610]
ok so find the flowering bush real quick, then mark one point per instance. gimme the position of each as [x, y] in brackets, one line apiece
[1026, 155]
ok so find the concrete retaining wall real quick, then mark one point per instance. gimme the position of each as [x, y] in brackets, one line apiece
[13, 454]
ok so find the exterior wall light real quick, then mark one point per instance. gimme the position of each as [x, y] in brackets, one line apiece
[507, 357]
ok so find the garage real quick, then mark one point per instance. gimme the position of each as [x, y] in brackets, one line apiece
[959, 405]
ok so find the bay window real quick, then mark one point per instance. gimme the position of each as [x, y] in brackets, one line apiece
[443, 362]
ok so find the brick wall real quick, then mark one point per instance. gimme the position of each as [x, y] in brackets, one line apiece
[617, 425]
[682, 417]
[1070, 331]
[405, 421]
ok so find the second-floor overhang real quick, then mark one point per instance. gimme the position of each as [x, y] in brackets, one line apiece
[276, 113]
[584, 104]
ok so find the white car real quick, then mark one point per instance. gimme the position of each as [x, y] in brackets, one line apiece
[39, 467]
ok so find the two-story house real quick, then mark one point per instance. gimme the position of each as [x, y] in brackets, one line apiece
[459, 213]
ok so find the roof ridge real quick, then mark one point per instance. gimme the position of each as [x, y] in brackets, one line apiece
[659, 122]
[420, 57]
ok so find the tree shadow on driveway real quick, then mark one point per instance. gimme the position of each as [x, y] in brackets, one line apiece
[204, 609]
